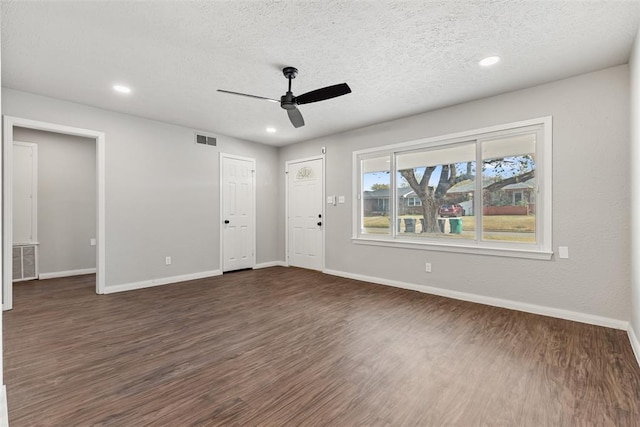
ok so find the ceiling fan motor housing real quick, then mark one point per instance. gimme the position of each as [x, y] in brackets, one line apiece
[288, 101]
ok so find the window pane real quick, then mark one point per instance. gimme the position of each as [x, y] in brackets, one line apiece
[376, 179]
[509, 189]
[435, 192]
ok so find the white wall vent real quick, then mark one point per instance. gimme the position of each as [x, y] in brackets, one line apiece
[206, 139]
[25, 265]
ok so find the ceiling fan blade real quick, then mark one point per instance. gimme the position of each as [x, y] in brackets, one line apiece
[250, 96]
[296, 117]
[324, 93]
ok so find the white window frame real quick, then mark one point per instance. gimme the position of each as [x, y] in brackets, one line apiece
[542, 249]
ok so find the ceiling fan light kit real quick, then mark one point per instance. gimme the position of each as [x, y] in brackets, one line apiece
[290, 102]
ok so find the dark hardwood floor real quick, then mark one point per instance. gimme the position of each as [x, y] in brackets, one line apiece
[284, 346]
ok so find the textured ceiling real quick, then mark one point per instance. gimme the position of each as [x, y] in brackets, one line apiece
[399, 57]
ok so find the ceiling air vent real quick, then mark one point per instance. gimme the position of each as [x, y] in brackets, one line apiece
[205, 139]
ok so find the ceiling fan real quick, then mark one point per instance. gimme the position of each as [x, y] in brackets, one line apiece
[289, 102]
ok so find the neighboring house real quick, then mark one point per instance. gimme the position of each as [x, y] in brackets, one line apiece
[376, 202]
[498, 202]
[522, 192]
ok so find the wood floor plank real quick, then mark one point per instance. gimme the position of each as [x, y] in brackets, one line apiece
[286, 346]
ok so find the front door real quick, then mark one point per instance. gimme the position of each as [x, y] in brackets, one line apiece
[305, 214]
[238, 212]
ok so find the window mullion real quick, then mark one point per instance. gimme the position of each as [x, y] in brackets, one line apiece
[539, 198]
[392, 195]
[478, 203]
[360, 219]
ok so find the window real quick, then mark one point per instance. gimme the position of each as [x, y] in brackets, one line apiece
[517, 197]
[508, 167]
[486, 191]
[431, 173]
[375, 185]
[414, 201]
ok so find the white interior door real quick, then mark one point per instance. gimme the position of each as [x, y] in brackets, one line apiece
[238, 212]
[25, 190]
[305, 216]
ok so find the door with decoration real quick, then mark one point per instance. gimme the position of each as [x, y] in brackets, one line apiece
[305, 215]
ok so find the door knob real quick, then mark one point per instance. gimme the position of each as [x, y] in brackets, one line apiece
[226, 221]
[319, 223]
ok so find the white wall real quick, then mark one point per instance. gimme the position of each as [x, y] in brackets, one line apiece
[634, 65]
[590, 199]
[162, 190]
[66, 200]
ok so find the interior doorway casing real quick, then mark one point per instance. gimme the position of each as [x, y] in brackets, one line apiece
[7, 198]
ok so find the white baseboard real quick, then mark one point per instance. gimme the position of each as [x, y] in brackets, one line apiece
[270, 264]
[4, 412]
[160, 282]
[635, 344]
[68, 273]
[497, 302]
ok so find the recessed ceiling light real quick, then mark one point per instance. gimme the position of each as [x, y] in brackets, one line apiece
[121, 89]
[271, 130]
[489, 61]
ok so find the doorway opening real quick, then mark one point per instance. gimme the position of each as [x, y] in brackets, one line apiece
[12, 127]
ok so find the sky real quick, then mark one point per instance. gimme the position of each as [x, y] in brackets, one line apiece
[384, 177]
[511, 166]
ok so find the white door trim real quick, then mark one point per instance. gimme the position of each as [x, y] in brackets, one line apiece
[7, 199]
[286, 204]
[254, 207]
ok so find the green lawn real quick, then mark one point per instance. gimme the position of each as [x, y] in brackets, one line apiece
[492, 223]
[377, 221]
[507, 223]
[513, 228]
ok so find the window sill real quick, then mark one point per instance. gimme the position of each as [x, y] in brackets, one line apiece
[458, 248]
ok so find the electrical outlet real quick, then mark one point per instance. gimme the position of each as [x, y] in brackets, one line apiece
[92, 242]
[167, 260]
[427, 267]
